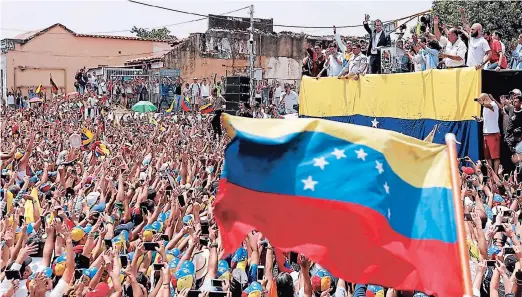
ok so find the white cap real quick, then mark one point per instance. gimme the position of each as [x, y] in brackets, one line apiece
[516, 92]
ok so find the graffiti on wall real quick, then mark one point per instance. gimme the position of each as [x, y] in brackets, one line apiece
[226, 48]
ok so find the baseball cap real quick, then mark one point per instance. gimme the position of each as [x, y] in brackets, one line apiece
[101, 290]
[516, 92]
[321, 280]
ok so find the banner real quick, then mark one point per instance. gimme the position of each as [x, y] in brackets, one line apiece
[408, 103]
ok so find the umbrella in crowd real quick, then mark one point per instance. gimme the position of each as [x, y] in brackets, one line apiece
[144, 106]
[35, 100]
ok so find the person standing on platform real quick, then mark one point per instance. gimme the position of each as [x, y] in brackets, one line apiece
[378, 39]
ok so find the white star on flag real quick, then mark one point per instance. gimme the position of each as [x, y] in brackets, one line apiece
[320, 162]
[375, 123]
[387, 188]
[338, 153]
[361, 154]
[379, 167]
[309, 183]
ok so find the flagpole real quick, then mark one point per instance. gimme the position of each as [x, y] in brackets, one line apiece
[459, 215]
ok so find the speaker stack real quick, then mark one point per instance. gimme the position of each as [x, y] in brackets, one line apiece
[237, 90]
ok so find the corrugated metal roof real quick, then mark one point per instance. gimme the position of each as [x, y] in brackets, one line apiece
[149, 58]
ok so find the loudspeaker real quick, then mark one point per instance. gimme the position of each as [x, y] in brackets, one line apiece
[231, 89]
[232, 106]
[237, 80]
[236, 97]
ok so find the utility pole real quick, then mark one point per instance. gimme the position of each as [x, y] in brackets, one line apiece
[251, 49]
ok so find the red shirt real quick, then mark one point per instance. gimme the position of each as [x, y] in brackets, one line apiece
[496, 49]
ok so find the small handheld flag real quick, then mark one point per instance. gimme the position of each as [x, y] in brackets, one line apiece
[207, 108]
[39, 89]
[87, 136]
[170, 108]
[185, 104]
[54, 88]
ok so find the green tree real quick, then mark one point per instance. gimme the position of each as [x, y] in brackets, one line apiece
[162, 33]
[503, 16]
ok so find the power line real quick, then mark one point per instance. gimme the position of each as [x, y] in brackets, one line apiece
[275, 25]
[127, 30]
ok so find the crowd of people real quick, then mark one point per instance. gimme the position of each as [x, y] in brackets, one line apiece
[462, 46]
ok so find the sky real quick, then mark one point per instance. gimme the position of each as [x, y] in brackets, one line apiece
[93, 16]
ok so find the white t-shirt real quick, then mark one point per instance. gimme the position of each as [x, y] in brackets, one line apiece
[278, 91]
[10, 100]
[456, 49]
[290, 100]
[491, 119]
[205, 91]
[334, 68]
[478, 47]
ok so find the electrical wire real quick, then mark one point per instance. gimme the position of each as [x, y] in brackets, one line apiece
[120, 31]
[275, 25]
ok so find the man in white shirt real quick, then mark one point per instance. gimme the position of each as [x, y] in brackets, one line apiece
[358, 64]
[289, 98]
[205, 90]
[277, 92]
[195, 93]
[334, 62]
[479, 50]
[11, 100]
[455, 50]
[490, 130]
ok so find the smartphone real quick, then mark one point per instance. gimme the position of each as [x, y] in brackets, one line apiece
[13, 274]
[165, 237]
[506, 176]
[42, 219]
[78, 274]
[204, 229]
[519, 192]
[108, 243]
[124, 259]
[203, 241]
[218, 283]
[500, 228]
[181, 201]
[491, 263]
[293, 257]
[467, 217]
[509, 251]
[506, 213]
[157, 266]
[82, 262]
[469, 184]
[260, 273]
[485, 179]
[150, 246]
[21, 221]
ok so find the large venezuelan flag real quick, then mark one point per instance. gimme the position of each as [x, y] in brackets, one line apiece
[370, 205]
[408, 103]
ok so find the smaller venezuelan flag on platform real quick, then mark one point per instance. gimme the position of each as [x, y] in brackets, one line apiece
[207, 108]
[185, 104]
[370, 205]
